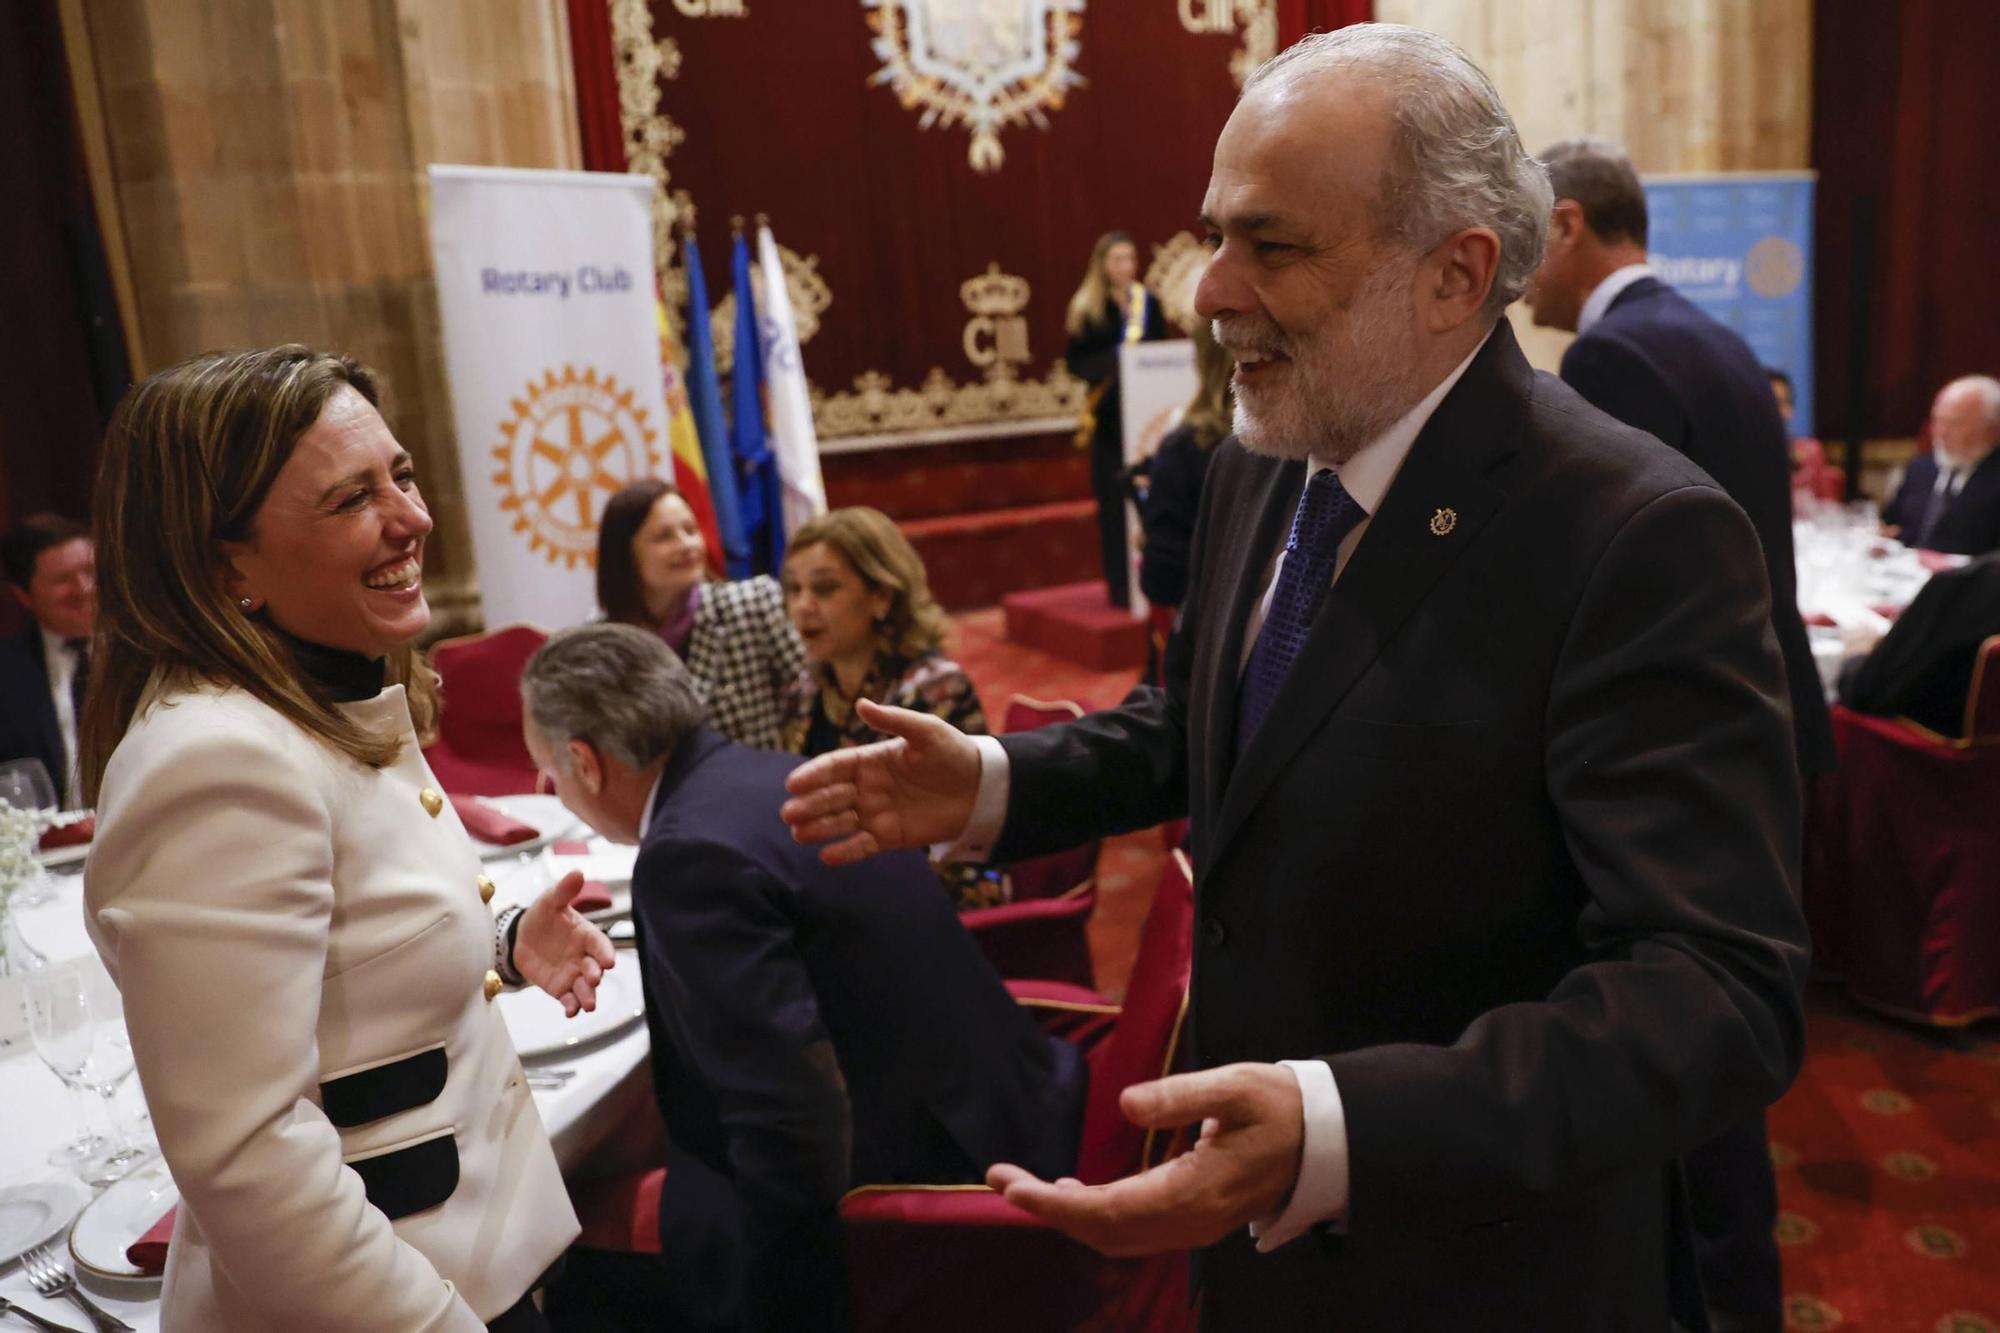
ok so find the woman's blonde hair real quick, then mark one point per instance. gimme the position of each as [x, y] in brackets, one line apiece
[1210, 411]
[1094, 292]
[871, 543]
[188, 458]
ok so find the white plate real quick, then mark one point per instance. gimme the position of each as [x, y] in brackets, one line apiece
[120, 1216]
[31, 1214]
[546, 813]
[539, 1028]
[63, 856]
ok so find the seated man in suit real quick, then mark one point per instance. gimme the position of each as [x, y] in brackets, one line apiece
[1950, 497]
[1922, 669]
[51, 569]
[813, 1029]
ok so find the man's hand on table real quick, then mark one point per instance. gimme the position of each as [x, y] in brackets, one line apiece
[1239, 1171]
[556, 949]
[912, 790]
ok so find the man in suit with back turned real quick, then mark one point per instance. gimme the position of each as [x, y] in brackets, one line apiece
[51, 569]
[1648, 356]
[1482, 731]
[812, 1029]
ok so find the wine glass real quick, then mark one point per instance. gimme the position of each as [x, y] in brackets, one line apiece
[57, 1002]
[25, 785]
[109, 1065]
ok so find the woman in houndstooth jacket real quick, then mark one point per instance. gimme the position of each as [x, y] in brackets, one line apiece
[652, 572]
[862, 602]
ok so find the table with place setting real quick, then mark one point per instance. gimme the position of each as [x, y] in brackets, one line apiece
[1853, 582]
[92, 1218]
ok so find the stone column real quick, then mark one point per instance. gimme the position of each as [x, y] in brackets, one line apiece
[1685, 85]
[268, 169]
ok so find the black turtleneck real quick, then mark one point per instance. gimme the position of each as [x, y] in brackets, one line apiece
[346, 677]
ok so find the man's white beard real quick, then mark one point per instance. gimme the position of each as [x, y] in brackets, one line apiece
[1350, 381]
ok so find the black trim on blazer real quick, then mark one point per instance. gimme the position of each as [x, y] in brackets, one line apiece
[410, 1179]
[370, 1094]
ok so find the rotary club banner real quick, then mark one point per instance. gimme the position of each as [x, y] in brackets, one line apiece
[1739, 245]
[545, 286]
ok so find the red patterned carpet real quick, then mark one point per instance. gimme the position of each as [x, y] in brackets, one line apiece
[1887, 1147]
[1888, 1157]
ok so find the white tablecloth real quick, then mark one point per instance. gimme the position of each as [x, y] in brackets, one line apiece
[610, 1079]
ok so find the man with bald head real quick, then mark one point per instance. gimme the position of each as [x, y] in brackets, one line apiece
[1482, 732]
[1950, 497]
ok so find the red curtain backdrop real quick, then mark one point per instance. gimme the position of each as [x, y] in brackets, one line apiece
[1296, 18]
[596, 85]
[780, 116]
[1906, 115]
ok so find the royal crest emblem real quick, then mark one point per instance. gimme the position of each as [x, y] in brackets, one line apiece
[573, 439]
[983, 64]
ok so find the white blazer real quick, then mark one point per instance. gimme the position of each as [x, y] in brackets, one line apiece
[302, 945]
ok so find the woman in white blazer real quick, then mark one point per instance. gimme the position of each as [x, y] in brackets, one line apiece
[740, 647]
[295, 918]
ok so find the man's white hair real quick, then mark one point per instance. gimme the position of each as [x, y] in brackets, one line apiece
[1988, 390]
[1455, 159]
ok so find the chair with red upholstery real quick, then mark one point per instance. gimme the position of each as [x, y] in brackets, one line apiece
[962, 1257]
[1903, 860]
[1040, 934]
[479, 750]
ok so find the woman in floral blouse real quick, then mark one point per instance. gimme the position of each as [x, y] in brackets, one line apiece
[857, 593]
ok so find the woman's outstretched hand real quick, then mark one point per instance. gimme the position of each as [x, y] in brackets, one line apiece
[556, 949]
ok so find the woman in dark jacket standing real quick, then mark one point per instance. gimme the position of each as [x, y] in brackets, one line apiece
[1111, 307]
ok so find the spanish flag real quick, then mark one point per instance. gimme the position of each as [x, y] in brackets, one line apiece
[690, 474]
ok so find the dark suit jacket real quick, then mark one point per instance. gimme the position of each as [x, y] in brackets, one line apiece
[1971, 523]
[1655, 361]
[1517, 852]
[815, 1029]
[28, 726]
[1923, 667]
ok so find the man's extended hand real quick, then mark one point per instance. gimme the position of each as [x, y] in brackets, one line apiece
[911, 790]
[556, 949]
[1241, 1169]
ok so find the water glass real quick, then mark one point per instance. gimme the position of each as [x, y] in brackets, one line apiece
[57, 1000]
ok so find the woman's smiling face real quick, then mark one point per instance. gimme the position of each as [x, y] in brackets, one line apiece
[336, 551]
[668, 551]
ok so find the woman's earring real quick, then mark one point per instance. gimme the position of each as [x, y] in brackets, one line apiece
[244, 602]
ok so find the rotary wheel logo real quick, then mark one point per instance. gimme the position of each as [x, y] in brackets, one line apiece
[573, 440]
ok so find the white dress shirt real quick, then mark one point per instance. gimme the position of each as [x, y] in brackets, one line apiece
[60, 659]
[1320, 1193]
[1607, 291]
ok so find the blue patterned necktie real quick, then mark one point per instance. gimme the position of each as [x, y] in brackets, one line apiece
[1326, 514]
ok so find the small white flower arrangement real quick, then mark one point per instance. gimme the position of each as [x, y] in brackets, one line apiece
[20, 838]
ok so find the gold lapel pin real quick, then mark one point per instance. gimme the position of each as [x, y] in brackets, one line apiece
[1443, 521]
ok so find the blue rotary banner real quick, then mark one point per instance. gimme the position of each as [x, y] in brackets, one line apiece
[1739, 245]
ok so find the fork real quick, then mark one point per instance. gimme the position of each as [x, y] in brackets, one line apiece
[34, 1320]
[51, 1277]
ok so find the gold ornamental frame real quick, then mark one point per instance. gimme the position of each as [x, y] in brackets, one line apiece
[875, 411]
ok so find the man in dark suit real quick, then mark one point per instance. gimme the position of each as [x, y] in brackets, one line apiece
[812, 1029]
[52, 571]
[1922, 669]
[1950, 497]
[1651, 358]
[1482, 730]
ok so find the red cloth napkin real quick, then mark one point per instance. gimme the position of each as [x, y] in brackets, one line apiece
[487, 824]
[592, 897]
[148, 1254]
[69, 835]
